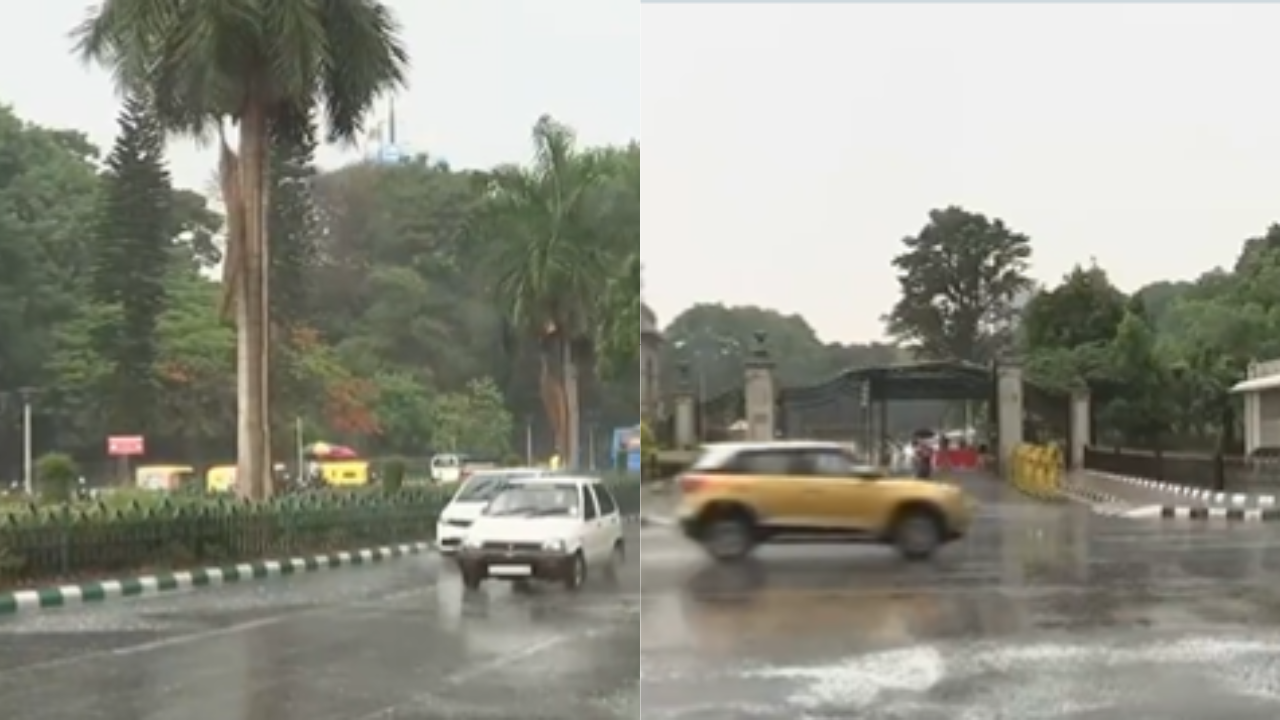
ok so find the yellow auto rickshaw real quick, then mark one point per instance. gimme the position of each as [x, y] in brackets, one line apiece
[220, 479]
[345, 473]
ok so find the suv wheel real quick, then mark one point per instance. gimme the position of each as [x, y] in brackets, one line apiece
[917, 534]
[728, 539]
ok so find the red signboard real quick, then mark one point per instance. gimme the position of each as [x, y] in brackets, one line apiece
[126, 445]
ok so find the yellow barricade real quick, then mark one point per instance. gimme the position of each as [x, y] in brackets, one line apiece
[1036, 471]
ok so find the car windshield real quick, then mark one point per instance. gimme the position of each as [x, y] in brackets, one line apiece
[537, 501]
[484, 487]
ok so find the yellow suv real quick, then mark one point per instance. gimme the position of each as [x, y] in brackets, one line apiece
[740, 495]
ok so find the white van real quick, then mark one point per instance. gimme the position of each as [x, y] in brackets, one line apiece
[470, 501]
[449, 469]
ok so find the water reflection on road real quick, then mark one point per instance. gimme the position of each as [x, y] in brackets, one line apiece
[1047, 611]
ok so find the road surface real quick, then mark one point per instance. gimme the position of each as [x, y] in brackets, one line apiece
[391, 642]
[1046, 612]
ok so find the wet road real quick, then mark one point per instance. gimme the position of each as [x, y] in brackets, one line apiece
[1046, 612]
[390, 642]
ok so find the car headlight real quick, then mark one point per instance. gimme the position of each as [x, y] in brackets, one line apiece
[558, 546]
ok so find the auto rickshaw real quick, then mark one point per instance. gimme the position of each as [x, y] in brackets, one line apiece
[220, 479]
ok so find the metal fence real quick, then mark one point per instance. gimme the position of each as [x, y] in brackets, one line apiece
[1203, 471]
[113, 538]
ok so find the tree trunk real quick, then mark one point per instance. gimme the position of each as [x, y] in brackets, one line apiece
[573, 434]
[253, 462]
[552, 401]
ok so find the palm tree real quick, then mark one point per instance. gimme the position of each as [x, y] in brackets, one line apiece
[618, 324]
[257, 64]
[551, 270]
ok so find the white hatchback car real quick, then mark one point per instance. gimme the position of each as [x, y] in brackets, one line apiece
[555, 527]
[470, 501]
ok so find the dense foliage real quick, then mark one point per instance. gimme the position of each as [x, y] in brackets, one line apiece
[389, 320]
[1159, 361]
[1162, 360]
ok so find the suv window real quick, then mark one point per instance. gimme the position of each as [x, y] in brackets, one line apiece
[608, 505]
[589, 509]
[836, 464]
[827, 463]
[765, 462]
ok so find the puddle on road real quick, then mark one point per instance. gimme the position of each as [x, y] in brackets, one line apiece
[1190, 677]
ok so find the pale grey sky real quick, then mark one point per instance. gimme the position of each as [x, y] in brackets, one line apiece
[791, 147]
[483, 73]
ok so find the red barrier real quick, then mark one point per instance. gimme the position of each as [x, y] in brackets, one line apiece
[959, 459]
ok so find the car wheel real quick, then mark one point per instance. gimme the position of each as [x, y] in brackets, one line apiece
[471, 580]
[617, 559]
[917, 535]
[577, 575]
[729, 539]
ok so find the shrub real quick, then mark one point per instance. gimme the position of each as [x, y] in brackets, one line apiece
[132, 531]
[56, 477]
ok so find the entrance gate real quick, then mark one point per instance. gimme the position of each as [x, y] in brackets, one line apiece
[855, 406]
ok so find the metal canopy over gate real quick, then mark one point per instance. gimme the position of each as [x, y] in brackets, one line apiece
[853, 405]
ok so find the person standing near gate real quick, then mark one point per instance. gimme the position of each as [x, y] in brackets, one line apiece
[924, 458]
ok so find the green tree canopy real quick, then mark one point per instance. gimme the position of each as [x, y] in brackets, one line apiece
[960, 279]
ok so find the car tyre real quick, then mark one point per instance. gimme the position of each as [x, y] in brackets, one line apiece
[577, 575]
[729, 539]
[917, 534]
[617, 558]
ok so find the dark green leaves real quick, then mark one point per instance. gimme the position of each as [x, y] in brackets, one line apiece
[960, 278]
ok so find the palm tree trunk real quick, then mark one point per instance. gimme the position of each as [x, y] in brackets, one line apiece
[253, 463]
[573, 434]
[553, 403]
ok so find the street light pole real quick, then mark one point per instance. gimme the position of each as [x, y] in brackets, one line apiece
[28, 462]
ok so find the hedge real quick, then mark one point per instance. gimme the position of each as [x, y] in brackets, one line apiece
[115, 537]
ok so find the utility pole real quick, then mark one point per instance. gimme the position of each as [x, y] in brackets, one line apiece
[28, 461]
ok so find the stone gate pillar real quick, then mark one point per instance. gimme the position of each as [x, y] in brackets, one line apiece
[686, 432]
[761, 393]
[1081, 426]
[1009, 395]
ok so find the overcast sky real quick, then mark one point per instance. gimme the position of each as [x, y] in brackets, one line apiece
[791, 148]
[483, 72]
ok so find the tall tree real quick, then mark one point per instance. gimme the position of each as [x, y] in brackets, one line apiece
[1066, 331]
[292, 223]
[292, 226]
[131, 256]
[961, 278]
[290, 56]
[551, 270]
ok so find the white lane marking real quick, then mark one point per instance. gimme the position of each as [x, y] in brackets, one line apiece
[472, 672]
[201, 636]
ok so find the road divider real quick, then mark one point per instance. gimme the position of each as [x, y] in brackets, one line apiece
[100, 591]
[1198, 494]
[110, 549]
[1205, 514]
